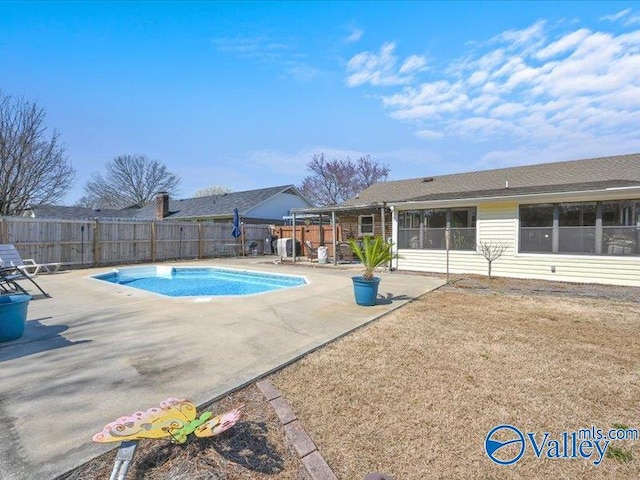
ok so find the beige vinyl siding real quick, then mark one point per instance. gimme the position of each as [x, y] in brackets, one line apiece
[498, 222]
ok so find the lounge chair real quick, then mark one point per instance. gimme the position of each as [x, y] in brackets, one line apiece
[9, 277]
[9, 257]
[311, 252]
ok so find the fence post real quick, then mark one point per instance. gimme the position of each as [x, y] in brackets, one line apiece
[200, 242]
[4, 231]
[96, 242]
[154, 240]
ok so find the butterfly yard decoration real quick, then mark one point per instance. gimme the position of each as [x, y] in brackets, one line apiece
[174, 420]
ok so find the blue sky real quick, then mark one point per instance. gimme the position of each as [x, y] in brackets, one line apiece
[242, 94]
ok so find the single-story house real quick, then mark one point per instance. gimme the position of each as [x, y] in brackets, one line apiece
[61, 212]
[260, 206]
[264, 205]
[575, 221]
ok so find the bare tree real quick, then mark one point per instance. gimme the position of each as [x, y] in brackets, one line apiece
[331, 182]
[491, 251]
[34, 168]
[129, 180]
[212, 190]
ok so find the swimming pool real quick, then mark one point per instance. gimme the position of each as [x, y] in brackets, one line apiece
[199, 281]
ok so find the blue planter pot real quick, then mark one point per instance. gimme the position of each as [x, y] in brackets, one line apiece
[13, 316]
[366, 291]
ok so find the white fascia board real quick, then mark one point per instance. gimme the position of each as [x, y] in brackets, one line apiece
[585, 195]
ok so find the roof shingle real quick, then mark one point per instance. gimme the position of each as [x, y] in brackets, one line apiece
[214, 205]
[539, 178]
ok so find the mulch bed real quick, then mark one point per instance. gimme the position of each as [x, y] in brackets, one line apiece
[254, 449]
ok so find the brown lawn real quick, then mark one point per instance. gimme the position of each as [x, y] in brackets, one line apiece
[415, 393]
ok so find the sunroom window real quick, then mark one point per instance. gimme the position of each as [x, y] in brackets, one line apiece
[536, 228]
[577, 227]
[426, 229]
[409, 229]
[620, 228]
[435, 227]
[593, 228]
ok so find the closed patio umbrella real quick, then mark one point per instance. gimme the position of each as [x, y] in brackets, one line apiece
[236, 232]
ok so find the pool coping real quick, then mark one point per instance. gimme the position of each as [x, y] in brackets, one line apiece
[199, 298]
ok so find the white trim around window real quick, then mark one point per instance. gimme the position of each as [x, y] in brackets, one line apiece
[369, 225]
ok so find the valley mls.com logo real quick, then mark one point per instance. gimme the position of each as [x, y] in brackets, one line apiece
[509, 449]
[505, 444]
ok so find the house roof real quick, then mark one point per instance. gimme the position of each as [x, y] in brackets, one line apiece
[502, 192]
[79, 213]
[588, 174]
[220, 206]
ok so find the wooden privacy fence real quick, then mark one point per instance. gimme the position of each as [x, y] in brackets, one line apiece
[312, 234]
[101, 242]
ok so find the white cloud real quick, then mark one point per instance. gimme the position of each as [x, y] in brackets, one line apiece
[413, 64]
[569, 148]
[429, 134]
[252, 47]
[290, 166]
[478, 77]
[507, 110]
[293, 164]
[616, 16]
[355, 34]
[562, 45]
[302, 71]
[381, 68]
[635, 20]
[522, 37]
[270, 51]
[539, 89]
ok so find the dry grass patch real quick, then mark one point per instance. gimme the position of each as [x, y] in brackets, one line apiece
[415, 393]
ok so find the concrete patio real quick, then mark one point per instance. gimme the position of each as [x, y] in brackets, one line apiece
[96, 351]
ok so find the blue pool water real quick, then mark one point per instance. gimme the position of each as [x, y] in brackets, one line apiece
[199, 281]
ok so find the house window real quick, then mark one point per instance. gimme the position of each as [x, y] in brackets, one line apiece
[577, 227]
[595, 228]
[536, 228]
[621, 228]
[365, 224]
[463, 228]
[409, 229]
[435, 227]
[426, 229]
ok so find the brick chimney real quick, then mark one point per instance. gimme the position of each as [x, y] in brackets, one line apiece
[162, 205]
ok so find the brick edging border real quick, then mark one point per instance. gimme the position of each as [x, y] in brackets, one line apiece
[313, 461]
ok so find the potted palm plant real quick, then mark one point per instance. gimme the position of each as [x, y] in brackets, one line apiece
[373, 253]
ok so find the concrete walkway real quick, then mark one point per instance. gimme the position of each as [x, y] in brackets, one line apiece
[97, 351]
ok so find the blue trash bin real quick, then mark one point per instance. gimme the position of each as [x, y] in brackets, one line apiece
[13, 316]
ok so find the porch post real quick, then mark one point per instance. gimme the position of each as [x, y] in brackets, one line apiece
[555, 231]
[293, 247]
[335, 240]
[599, 236]
[382, 219]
